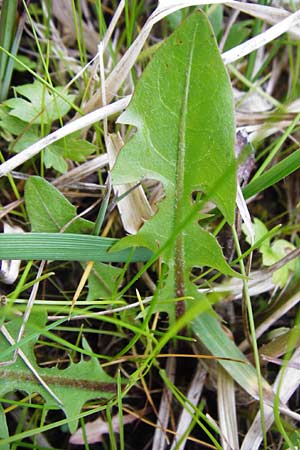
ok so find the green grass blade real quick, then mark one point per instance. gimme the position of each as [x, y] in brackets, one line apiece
[7, 32]
[277, 146]
[7, 76]
[273, 175]
[66, 247]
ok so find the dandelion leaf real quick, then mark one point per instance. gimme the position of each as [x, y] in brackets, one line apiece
[73, 386]
[184, 115]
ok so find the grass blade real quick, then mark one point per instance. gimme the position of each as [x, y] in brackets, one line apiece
[66, 247]
[273, 175]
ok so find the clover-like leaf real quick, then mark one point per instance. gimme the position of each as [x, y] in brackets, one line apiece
[55, 155]
[40, 105]
[272, 252]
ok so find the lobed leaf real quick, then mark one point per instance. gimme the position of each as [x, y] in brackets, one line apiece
[272, 252]
[185, 139]
[74, 386]
[40, 105]
[183, 111]
[70, 147]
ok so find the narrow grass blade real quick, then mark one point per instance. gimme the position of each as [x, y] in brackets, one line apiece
[7, 33]
[273, 175]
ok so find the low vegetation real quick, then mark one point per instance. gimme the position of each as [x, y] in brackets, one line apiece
[149, 207]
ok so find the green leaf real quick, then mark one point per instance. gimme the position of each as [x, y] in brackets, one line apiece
[74, 386]
[41, 106]
[49, 210]
[260, 230]
[11, 124]
[67, 148]
[238, 33]
[215, 16]
[3, 429]
[26, 61]
[278, 250]
[175, 19]
[70, 147]
[273, 252]
[294, 436]
[53, 158]
[27, 135]
[278, 172]
[185, 139]
[10, 36]
[77, 149]
[102, 281]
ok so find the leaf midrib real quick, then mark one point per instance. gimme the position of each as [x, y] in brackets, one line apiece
[179, 177]
[57, 380]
